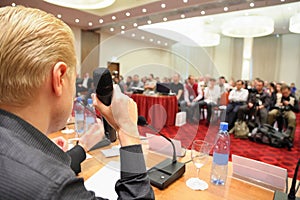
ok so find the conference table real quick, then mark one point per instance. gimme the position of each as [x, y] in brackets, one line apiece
[234, 188]
[159, 110]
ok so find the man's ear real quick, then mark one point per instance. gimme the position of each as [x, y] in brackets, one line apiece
[58, 74]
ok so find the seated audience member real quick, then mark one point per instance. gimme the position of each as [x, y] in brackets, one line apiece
[276, 97]
[38, 101]
[165, 80]
[150, 84]
[287, 108]
[191, 99]
[79, 87]
[122, 83]
[157, 79]
[237, 97]
[128, 83]
[136, 83]
[224, 86]
[116, 80]
[87, 81]
[257, 105]
[293, 89]
[211, 97]
[177, 88]
[271, 88]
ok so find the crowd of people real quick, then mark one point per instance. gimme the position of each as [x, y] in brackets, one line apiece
[256, 101]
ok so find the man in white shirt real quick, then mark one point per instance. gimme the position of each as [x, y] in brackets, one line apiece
[211, 97]
[87, 81]
[237, 97]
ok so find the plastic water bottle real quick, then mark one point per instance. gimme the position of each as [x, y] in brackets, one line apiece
[90, 117]
[220, 156]
[79, 116]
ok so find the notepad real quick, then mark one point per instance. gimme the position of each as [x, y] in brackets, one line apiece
[103, 182]
[114, 151]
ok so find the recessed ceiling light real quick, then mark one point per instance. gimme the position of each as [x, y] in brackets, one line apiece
[144, 10]
[132, 35]
[77, 20]
[252, 4]
[142, 37]
[112, 29]
[90, 24]
[135, 24]
[149, 22]
[151, 40]
[127, 14]
[182, 16]
[13, 4]
[158, 42]
[277, 35]
[165, 19]
[225, 9]
[82, 4]
[123, 27]
[202, 12]
[59, 16]
[122, 32]
[113, 17]
[185, 1]
[166, 44]
[163, 5]
[101, 21]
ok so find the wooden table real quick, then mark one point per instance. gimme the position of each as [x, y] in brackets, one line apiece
[234, 188]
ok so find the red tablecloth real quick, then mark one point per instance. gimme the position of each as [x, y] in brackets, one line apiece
[158, 110]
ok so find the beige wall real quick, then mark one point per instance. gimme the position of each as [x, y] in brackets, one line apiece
[77, 36]
[273, 58]
[289, 69]
[89, 52]
[135, 57]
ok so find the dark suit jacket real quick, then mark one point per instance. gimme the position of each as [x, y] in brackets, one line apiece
[33, 167]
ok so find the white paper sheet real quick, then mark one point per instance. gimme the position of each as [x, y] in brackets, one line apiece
[103, 182]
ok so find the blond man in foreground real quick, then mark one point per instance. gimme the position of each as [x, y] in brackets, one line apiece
[37, 78]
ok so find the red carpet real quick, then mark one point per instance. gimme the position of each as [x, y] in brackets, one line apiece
[276, 156]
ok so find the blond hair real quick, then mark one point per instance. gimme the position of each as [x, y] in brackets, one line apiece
[31, 43]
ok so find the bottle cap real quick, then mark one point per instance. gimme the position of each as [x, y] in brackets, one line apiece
[90, 101]
[79, 99]
[224, 126]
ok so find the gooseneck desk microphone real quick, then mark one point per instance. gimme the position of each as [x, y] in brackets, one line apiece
[167, 171]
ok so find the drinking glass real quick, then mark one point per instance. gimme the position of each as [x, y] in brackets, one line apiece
[199, 154]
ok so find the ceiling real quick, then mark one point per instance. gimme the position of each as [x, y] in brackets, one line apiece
[129, 14]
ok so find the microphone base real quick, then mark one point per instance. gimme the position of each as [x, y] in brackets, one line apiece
[165, 173]
[278, 195]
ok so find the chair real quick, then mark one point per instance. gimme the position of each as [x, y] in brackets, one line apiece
[220, 110]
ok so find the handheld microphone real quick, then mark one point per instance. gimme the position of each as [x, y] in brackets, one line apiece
[104, 90]
[167, 171]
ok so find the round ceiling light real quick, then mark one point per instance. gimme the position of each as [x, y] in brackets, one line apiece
[295, 23]
[205, 39]
[248, 26]
[82, 4]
